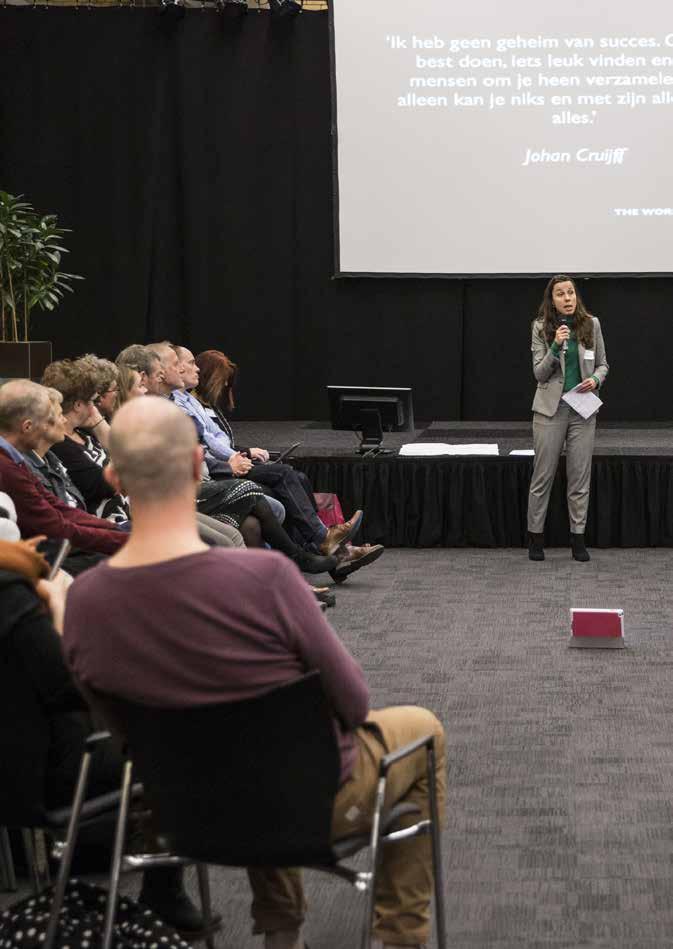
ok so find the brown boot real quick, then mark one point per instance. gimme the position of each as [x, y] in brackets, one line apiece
[338, 535]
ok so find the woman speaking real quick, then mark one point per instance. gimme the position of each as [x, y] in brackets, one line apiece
[568, 353]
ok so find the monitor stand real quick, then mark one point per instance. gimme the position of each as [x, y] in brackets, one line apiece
[372, 434]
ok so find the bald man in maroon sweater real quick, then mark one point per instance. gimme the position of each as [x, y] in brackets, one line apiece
[241, 622]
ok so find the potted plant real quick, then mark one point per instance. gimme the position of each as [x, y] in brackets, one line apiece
[30, 256]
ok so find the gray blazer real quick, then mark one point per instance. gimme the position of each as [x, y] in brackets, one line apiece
[549, 369]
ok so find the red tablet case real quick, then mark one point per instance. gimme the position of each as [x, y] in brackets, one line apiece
[592, 627]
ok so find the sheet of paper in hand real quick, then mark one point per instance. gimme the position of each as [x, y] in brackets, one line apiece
[585, 404]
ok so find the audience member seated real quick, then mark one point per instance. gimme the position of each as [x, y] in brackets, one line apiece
[46, 721]
[292, 488]
[236, 500]
[55, 477]
[146, 363]
[46, 466]
[26, 411]
[261, 629]
[82, 453]
[129, 386]
[106, 374]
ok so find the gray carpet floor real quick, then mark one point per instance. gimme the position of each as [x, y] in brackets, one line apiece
[560, 777]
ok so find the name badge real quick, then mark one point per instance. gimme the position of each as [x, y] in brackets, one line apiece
[589, 354]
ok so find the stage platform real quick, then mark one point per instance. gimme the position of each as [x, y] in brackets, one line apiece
[475, 501]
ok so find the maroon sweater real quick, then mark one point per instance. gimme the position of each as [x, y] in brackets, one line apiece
[38, 511]
[209, 627]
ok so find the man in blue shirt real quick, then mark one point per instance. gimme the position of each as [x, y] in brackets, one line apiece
[291, 487]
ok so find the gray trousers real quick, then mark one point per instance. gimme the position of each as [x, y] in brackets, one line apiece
[549, 434]
[216, 534]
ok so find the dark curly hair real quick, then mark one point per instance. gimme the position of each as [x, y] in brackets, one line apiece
[550, 319]
[75, 380]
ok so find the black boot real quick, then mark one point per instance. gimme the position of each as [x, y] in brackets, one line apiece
[578, 548]
[535, 546]
[163, 891]
[313, 563]
[274, 535]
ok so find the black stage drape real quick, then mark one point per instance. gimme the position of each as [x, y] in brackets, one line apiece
[481, 502]
[193, 163]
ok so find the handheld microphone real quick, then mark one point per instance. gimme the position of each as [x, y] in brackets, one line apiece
[564, 348]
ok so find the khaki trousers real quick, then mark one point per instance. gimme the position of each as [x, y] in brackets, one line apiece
[404, 890]
[549, 434]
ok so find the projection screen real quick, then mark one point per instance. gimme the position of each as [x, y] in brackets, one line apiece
[498, 137]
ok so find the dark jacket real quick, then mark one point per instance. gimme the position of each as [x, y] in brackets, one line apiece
[54, 476]
[85, 465]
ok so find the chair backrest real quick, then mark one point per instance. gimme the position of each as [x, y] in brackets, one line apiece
[247, 783]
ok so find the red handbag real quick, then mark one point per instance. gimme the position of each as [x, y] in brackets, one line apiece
[329, 509]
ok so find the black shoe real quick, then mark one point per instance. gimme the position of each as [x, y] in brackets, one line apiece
[314, 563]
[179, 912]
[578, 548]
[164, 893]
[535, 546]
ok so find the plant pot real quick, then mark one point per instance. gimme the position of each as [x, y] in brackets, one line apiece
[24, 360]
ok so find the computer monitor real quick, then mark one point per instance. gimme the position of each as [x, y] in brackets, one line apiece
[371, 410]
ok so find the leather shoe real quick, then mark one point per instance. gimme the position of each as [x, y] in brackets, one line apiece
[337, 536]
[313, 563]
[353, 558]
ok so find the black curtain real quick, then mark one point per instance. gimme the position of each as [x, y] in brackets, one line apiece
[482, 502]
[193, 162]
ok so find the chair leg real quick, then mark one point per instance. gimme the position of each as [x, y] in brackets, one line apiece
[204, 896]
[115, 866]
[374, 846]
[436, 849]
[31, 859]
[66, 858]
[7, 861]
[42, 858]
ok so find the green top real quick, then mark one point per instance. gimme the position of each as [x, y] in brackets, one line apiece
[573, 374]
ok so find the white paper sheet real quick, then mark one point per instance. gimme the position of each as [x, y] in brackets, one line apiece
[522, 451]
[584, 403]
[429, 449]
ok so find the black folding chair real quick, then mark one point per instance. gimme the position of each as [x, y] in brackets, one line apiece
[252, 783]
[66, 823]
[38, 823]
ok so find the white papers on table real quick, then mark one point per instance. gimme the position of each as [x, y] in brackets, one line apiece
[429, 449]
[585, 404]
[522, 451]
